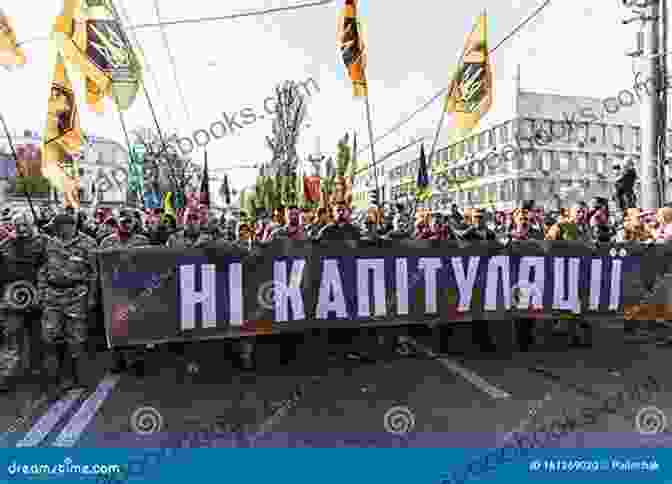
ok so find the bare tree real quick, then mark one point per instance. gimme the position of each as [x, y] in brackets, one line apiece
[290, 113]
[165, 170]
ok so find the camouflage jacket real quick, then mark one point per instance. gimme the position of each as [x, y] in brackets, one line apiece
[180, 240]
[114, 242]
[22, 258]
[68, 264]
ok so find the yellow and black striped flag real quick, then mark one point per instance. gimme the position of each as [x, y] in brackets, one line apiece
[96, 47]
[11, 55]
[353, 47]
[470, 93]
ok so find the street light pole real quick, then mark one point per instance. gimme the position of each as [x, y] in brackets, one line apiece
[649, 108]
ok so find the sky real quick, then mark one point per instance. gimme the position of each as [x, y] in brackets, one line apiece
[228, 65]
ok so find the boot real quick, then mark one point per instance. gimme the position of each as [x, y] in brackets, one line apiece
[50, 378]
[70, 374]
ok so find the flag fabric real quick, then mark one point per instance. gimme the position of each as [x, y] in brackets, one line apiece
[96, 47]
[422, 182]
[136, 173]
[168, 208]
[311, 188]
[11, 55]
[353, 48]
[205, 183]
[63, 138]
[226, 190]
[470, 93]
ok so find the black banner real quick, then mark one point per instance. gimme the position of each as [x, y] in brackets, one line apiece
[154, 295]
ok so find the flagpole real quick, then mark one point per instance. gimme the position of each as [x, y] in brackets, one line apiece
[128, 144]
[16, 161]
[149, 103]
[373, 153]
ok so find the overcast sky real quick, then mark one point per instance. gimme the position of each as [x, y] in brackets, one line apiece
[228, 65]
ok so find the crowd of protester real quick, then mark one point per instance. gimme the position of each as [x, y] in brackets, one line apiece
[56, 252]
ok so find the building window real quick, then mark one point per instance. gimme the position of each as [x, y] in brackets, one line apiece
[582, 165]
[595, 134]
[504, 133]
[638, 139]
[582, 131]
[483, 141]
[563, 158]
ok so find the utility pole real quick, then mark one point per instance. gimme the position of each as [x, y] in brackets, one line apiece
[650, 161]
[648, 13]
[662, 133]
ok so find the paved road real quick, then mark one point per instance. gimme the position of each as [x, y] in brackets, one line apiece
[462, 399]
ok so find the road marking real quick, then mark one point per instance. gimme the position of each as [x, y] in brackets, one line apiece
[276, 415]
[50, 419]
[465, 373]
[75, 427]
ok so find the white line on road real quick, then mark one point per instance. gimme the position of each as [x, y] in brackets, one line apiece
[465, 373]
[75, 427]
[50, 419]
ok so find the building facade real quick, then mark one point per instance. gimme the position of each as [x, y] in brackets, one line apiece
[103, 167]
[553, 149]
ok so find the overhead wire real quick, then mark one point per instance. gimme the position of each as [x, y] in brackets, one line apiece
[147, 64]
[443, 90]
[251, 13]
[171, 59]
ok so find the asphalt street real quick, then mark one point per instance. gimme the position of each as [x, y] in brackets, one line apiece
[460, 398]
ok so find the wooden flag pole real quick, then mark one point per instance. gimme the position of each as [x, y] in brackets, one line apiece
[141, 197]
[373, 152]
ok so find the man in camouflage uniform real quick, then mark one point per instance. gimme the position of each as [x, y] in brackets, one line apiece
[67, 285]
[21, 256]
[191, 236]
[125, 236]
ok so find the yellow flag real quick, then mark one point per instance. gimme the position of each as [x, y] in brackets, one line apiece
[63, 139]
[11, 55]
[353, 47]
[470, 92]
[97, 48]
[168, 208]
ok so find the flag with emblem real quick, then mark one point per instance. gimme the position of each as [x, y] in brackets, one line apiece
[225, 191]
[96, 47]
[11, 55]
[422, 183]
[205, 183]
[353, 47]
[470, 93]
[63, 139]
